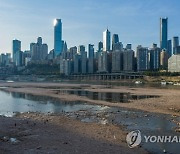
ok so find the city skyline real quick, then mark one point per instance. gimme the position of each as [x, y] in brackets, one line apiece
[127, 22]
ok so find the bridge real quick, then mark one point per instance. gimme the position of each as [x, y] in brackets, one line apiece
[107, 76]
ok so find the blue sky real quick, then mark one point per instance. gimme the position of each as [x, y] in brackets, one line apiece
[136, 21]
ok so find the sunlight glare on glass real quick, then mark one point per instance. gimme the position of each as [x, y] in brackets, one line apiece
[55, 22]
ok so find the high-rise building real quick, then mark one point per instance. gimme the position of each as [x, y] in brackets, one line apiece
[16, 48]
[57, 37]
[163, 32]
[106, 40]
[100, 46]
[51, 55]
[39, 50]
[115, 39]
[129, 46]
[175, 44]
[154, 58]
[84, 67]
[77, 64]
[90, 51]
[128, 60]
[5, 59]
[118, 46]
[174, 63]
[91, 65]
[103, 62]
[31, 47]
[117, 61]
[65, 47]
[169, 48]
[142, 58]
[26, 55]
[154, 45]
[62, 65]
[177, 50]
[91, 58]
[164, 59]
[19, 58]
[81, 49]
[39, 40]
[72, 52]
[68, 67]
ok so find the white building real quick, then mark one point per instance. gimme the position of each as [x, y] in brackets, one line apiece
[174, 63]
[106, 40]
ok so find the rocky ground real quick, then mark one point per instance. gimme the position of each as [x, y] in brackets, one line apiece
[40, 133]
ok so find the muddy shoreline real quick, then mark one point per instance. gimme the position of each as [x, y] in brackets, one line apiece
[167, 103]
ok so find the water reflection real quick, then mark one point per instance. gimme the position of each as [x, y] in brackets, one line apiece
[20, 102]
[107, 96]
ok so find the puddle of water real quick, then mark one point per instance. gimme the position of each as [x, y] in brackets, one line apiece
[3, 87]
[11, 140]
[11, 103]
[107, 96]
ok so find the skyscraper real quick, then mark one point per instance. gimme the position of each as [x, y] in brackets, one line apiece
[154, 54]
[163, 32]
[164, 59]
[16, 48]
[118, 46]
[106, 40]
[103, 62]
[91, 58]
[142, 58]
[175, 44]
[129, 46]
[117, 61]
[31, 47]
[100, 46]
[57, 37]
[169, 48]
[65, 47]
[128, 60]
[115, 39]
[39, 50]
[90, 51]
[39, 40]
[81, 49]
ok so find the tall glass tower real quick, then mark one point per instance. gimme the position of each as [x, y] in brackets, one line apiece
[57, 36]
[106, 40]
[91, 51]
[163, 32]
[175, 44]
[16, 48]
[169, 48]
[115, 39]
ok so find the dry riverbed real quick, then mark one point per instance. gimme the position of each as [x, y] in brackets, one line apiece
[49, 133]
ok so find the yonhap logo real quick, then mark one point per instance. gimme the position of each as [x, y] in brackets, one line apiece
[134, 138]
